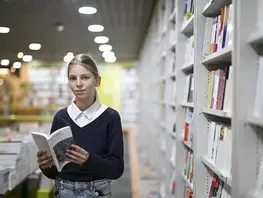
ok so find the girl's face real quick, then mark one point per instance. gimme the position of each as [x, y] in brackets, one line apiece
[82, 82]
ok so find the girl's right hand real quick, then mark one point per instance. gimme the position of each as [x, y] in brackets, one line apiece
[45, 160]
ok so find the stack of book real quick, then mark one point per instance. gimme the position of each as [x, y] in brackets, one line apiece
[18, 156]
[4, 172]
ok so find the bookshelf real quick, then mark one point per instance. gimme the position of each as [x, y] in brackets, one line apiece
[187, 88]
[158, 106]
[247, 114]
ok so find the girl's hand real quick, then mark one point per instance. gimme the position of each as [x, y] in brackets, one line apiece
[78, 155]
[44, 159]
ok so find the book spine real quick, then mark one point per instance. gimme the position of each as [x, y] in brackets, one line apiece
[221, 89]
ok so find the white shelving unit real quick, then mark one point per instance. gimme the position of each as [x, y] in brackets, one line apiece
[247, 122]
[235, 115]
[157, 82]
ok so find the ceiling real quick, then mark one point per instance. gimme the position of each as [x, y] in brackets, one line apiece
[125, 23]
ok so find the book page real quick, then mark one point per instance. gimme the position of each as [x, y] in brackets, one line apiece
[60, 141]
[40, 140]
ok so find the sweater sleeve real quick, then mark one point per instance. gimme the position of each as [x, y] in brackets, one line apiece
[52, 172]
[110, 166]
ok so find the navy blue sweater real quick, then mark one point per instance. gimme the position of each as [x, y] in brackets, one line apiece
[102, 138]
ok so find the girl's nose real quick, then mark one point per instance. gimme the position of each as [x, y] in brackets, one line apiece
[79, 82]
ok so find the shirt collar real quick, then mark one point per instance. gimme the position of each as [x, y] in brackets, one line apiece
[89, 112]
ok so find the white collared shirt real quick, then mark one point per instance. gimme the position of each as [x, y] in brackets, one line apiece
[83, 118]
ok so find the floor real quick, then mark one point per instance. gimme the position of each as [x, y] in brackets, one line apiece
[121, 188]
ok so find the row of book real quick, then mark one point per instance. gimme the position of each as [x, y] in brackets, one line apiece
[220, 146]
[219, 31]
[218, 188]
[189, 89]
[173, 183]
[189, 166]
[188, 193]
[48, 86]
[188, 9]
[188, 135]
[219, 94]
[189, 50]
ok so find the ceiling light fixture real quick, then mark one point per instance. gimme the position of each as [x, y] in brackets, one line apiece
[5, 62]
[17, 65]
[4, 30]
[27, 58]
[70, 54]
[68, 57]
[87, 10]
[105, 47]
[20, 55]
[110, 59]
[12, 70]
[35, 46]
[101, 39]
[4, 71]
[95, 28]
[107, 54]
[60, 27]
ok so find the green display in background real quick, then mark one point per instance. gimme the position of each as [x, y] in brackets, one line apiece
[110, 89]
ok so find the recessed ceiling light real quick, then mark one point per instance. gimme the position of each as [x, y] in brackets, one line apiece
[4, 30]
[70, 54]
[27, 58]
[101, 39]
[105, 47]
[17, 65]
[68, 57]
[20, 55]
[60, 27]
[4, 71]
[87, 10]
[111, 59]
[35, 46]
[5, 62]
[95, 28]
[13, 70]
[107, 54]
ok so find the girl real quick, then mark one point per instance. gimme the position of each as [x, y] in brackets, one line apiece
[97, 156]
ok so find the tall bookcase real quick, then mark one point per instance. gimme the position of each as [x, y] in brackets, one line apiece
[247, 114]
[199, 71]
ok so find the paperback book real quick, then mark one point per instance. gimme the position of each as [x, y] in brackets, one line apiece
[56, 143]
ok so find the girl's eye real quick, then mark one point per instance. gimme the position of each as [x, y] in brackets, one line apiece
[72, 78]
[85, 77]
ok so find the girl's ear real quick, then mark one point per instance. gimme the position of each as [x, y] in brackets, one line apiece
[98, 81]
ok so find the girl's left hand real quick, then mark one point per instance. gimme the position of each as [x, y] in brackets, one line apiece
[78, 155]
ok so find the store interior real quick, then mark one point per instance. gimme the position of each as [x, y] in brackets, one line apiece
[37, 41]
[184, 75]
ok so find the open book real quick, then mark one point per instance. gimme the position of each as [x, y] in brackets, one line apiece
[56, 143]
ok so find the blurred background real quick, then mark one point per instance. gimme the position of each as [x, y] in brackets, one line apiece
[37, 40]
[181, 73]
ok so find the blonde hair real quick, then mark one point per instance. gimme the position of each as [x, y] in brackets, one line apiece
[86, 62]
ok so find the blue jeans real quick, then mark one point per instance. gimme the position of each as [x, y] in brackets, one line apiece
[69, 189]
